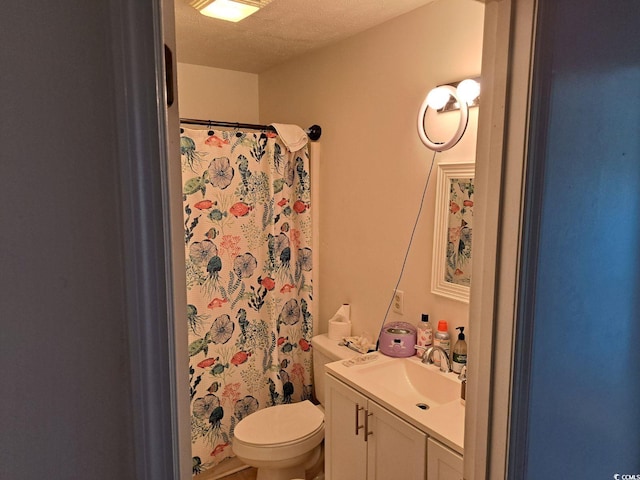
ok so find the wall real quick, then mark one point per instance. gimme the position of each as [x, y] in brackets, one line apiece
[66, 406]
[365, 92]
[216, 94]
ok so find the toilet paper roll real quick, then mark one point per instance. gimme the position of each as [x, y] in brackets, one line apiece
[339, 330]
[340, 323]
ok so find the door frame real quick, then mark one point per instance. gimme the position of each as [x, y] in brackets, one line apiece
[500, 175]
[501, 156]
[152, 231]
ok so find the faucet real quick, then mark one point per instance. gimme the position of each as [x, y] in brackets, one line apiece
[445, 364]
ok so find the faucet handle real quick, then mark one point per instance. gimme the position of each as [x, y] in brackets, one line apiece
[426, 355]
[420, 350]
[421, 347]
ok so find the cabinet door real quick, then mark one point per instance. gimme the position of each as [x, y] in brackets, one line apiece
[396, 450]
[345, 448]
[444, 463]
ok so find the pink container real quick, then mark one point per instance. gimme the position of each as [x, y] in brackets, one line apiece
[398, 339]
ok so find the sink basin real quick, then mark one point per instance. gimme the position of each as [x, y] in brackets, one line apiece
[412, 380]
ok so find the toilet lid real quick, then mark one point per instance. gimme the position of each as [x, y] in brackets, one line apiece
[280, 424]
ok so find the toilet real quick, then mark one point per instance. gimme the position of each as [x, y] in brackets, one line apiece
[284, 441]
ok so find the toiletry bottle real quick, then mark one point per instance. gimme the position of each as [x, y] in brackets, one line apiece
[459, 358]
[463, 385]
[425, 335]
[441, 339]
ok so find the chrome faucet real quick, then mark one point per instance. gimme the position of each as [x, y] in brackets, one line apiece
[445, 364]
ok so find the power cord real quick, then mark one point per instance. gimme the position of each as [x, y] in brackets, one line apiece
[406, 255]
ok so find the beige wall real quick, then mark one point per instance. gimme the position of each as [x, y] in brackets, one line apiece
[365, 92]
[207, 93]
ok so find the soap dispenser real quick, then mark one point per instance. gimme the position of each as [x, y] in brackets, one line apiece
[459, 357]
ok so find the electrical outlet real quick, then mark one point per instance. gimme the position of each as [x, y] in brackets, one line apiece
[398, 301]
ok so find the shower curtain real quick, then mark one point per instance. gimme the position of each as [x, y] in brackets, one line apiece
[249, 280]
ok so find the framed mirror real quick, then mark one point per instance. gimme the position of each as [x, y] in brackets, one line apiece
[453, 228]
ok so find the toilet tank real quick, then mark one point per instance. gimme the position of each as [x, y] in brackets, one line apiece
[325, 351]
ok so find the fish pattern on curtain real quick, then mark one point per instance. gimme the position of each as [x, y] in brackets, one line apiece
[249, 285]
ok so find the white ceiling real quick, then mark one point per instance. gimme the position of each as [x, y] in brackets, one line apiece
[280, 31]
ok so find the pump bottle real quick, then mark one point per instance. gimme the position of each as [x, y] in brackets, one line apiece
[459, 358]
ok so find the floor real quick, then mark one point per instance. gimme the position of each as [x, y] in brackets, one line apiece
[246, 474]
[251, 473]
[314, 473]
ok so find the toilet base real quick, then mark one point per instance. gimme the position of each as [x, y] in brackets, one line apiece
[313, 464]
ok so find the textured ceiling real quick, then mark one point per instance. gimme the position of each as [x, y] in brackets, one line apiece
[280, 31]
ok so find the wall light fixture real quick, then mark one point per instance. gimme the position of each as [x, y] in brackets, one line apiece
[229, 10]
[445, 98]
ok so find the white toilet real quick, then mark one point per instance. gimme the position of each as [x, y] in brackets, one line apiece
[284, 441]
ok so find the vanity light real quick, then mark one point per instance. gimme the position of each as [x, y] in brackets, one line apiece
[469, 91]
[229, 10]
[438, 98]
[457, 96]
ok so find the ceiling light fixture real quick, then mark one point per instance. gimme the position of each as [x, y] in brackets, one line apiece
[229, 10]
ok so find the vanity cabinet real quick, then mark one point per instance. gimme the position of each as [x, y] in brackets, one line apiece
[444, 463]
[364, 441]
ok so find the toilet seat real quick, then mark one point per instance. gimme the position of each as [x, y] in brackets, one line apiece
[279, 433]
[296, 441]
[280, 425]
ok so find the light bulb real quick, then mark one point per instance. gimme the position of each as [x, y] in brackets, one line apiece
[228, 10]
[468, 90]
[438, 98]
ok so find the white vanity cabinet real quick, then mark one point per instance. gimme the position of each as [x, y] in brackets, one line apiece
[444, 463]
[364, 441]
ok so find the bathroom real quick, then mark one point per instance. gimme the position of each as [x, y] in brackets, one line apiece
[365, 92]
[88, 379]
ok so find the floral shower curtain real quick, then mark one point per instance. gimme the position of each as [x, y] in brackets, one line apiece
[249, 291]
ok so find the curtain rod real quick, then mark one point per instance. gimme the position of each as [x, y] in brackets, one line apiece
[314, 131]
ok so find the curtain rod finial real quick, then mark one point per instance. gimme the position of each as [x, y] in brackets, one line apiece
[314, 132]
